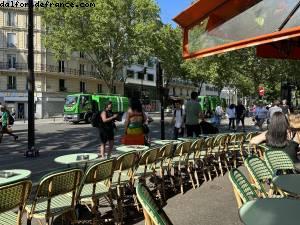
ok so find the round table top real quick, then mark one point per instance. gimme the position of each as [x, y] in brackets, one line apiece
[188, 139]
[270, 211]
[9, 176]
[128, 148]
[75, 158]
[164, 142]
[288, 183]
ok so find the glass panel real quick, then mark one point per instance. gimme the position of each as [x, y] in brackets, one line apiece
[229, 24]
[294, 21]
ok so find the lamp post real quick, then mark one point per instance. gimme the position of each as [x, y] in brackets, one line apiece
[31, 84]
[160, 90]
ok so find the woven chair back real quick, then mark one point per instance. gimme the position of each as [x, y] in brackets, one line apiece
[259, 171]
[183, 148]
[126, 161]
[99, 171]
[149, 157]
[58, 183]
[156, 213]
[242, 186]
[208, 144]
[166, 151]
[13, 195]
[200, 150]
[278, 160]
[250, 135]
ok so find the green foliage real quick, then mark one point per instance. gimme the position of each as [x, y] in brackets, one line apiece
[112, 34]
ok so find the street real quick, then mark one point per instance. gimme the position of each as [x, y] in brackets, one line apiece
[55, 138]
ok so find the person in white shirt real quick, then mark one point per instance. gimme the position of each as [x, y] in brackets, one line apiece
[178, 120]
[231, 116]
[218, 115]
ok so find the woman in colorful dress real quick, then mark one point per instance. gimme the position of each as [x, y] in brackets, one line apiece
[134, 124]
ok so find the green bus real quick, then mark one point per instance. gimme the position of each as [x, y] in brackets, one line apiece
[80, 106]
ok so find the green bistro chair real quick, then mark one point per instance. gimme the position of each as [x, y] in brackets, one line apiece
[55, 195]
[180, 161]
[219, 152]
[154, 215]
[235, 147]
[242, 189]
[164, 158]
[279, 162]
[247, 146]
[210, 159]
[261, 176]
[13, 196]
[123, 175]
[95, 185]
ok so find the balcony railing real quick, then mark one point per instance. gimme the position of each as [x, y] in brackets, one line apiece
[47, 68]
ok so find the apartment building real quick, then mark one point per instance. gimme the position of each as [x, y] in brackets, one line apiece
[53, 79]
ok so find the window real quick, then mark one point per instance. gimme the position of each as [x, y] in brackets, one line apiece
[187, 92]
[99, 88]
[62, 85]
[61, 66]
[141, 75]
[82, 86]
[150, 77]
[11, 60]
[11, 82]
[81, 54]
[81, 69]
[151, 63]
[180, 91]
[174, 91]
[114, 90]
[26, 41]
[130, 74]
[11, 40]
[10, 19]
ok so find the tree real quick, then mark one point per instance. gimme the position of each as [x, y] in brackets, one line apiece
[113, 34]
[167, 47]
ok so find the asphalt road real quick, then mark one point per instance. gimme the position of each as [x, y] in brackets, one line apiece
[211, 204]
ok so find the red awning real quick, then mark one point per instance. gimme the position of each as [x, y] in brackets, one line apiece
[216, 26]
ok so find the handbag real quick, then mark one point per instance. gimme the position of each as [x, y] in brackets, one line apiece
[146, 129]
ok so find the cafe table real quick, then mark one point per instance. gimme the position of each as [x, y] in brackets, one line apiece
[164, 142]
[270, 211]
[9, 176]
[78, 158]
[129, 148]
[289, 183]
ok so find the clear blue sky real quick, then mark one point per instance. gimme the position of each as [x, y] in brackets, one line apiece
[171, 8]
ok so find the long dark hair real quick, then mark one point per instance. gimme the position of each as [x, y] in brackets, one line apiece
[277, 131]
[136, 105]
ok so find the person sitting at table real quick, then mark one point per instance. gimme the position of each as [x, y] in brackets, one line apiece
[278, 136]
[135, 124]
[206, 127]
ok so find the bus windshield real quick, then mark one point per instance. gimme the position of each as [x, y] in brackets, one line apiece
[71, 100]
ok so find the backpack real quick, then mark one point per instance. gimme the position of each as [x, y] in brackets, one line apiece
[11, 119]
[96, 120]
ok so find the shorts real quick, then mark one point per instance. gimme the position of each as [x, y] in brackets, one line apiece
[105, 136]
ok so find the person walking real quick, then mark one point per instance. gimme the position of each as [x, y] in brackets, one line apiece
[218, 115]
[285, 107]
[192, 110]
[240, 115]
[178, 120]
[275, 108]
[136, 124]
[260, 115]
[106, 129]
[231, 113]
[5, 123]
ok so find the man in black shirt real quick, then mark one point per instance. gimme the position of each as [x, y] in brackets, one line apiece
[240, 115]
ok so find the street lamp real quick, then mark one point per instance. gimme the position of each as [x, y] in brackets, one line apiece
[31, 151]
[160, 90]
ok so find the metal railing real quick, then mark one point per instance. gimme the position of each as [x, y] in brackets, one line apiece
[47, 68]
